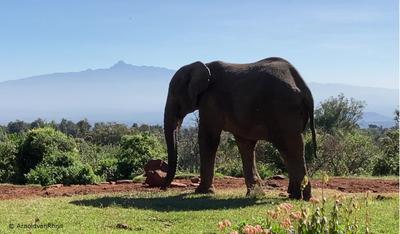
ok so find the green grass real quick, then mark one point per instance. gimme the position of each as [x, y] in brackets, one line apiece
[164, 212]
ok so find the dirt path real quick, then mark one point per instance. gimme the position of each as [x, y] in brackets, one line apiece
[349, 185]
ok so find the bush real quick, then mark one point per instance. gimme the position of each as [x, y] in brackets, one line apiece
[137, 150]
[345, 153]
[39, 143]
[8, 151]
[388, 162]
[61, 167]
[267, 154]
[232, 168]
[264, 170]
[107, 169]
[189, 153]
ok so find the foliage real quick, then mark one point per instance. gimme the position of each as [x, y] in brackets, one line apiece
[137, 150]
[388, 162]
[264, 170]
[107, 169]
[83, 128]
[8, 151]
[189, 152]
[343, 148]
[228, 160]
[68, 127]
[17, 126]
[231, 168]
[39, 123]
[347, 153]
[269, 157]
[108, 133]
[338, 113]
[39, 143]
[61, 167]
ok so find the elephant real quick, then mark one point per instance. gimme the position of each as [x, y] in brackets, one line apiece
[265, 100]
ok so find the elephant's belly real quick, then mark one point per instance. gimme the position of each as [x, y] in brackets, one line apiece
[264, 126]
[248, 130]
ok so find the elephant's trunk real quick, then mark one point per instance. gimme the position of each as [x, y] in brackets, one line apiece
[171, 127]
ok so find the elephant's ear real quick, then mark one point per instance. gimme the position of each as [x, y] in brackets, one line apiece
[199, 79]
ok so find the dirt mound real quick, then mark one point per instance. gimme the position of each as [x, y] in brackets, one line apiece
[349, 185]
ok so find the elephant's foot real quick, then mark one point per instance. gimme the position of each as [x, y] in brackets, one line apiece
[205, 190]
[307, 192]
[297, 193]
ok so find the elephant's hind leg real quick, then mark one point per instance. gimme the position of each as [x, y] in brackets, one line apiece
[251, 176]
[292, 151]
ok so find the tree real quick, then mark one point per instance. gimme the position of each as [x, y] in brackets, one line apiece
[339, 113]
[108, 133]
[83, 128]
[17, 127]
[396, 118]
[38, 123]
[388, 163]
[68, 127]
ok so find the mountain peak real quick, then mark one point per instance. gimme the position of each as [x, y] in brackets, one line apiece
[121, 64]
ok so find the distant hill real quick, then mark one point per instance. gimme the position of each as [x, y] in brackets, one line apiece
[128, 93]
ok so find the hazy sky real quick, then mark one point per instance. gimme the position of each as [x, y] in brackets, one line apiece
[351, 42]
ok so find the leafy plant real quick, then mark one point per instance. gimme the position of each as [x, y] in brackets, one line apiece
[136, 151]
[61, 167]
[37, 144]
[8, 151]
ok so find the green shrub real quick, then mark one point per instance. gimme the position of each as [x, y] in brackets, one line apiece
[38, 143]
[61, 167]
[345, 153]
[267, 154]
[107, 169]
[231, 168]
[264, 170]
[8, 151]
[137, 150]
[388, 162]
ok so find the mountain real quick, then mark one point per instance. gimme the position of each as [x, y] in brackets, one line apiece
[121, 93]
[128, 93]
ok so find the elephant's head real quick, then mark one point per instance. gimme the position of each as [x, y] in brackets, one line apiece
[183, 96]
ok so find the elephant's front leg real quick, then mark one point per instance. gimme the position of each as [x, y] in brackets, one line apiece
[251, 176]
[208, 142]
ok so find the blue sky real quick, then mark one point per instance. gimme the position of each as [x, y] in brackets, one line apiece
[351, 42]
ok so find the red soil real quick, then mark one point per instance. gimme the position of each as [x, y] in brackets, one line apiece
[348, 185]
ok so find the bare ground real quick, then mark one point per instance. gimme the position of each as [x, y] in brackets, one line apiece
[348, 185]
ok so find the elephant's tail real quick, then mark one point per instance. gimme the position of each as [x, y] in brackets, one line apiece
[312, 127]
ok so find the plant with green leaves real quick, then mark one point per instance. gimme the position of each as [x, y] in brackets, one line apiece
[37, 144]
[8, 152]
[61, 167]
[136, 151]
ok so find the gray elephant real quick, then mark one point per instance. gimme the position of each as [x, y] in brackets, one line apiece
[265, 100]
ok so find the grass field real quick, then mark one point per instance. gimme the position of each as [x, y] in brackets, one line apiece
[165, 212]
